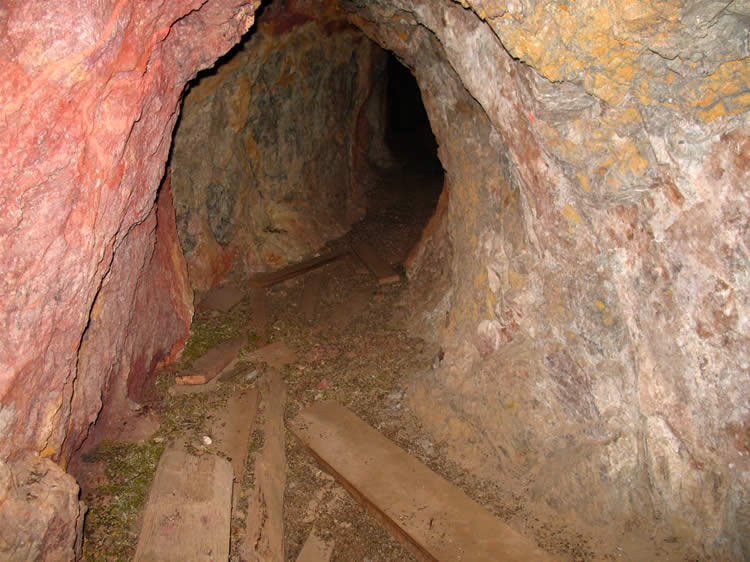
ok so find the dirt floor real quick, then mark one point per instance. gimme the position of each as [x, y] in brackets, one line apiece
[356, 351]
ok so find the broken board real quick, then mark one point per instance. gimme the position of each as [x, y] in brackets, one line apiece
[264, 538]
[277, 355]
[429, 515]
[213, 361]
[188, 512]
[382, 270]
[274, 277]
[231, 432]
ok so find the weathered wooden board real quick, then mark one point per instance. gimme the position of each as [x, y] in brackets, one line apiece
[187, 516]
[213, 362]
[310, 296]
[265, 518]
[315, 549]
[222, 298]
[231, 432]
[276, 355]
[429, 515]
[273, 277]
[382, 270]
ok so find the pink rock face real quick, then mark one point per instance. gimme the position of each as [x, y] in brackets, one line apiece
[87, 106]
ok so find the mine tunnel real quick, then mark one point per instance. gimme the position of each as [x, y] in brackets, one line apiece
[374, 280]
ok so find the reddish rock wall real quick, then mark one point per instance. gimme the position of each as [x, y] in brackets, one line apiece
[596, 325]
[272, 152]
[88, 105]
[88, 101]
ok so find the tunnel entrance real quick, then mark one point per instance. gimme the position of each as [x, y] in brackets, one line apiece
[283, 153]
[287, 145]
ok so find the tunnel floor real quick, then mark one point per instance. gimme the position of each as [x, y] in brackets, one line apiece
[355, 350]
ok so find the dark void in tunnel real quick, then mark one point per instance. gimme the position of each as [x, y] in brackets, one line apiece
[408, 132]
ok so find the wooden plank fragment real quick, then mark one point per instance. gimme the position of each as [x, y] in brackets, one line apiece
[382, 270]
[222, 298]
[315, 549]
[231, 432]
[213, 362]
[429, 515]
[276, 355]
[187, 516]
[311, 296]
[265, 518]
[289, 272]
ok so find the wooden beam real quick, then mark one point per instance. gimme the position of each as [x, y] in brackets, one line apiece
[429, 515]
[289, 272]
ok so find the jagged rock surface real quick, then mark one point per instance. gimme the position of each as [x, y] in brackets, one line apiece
[597, 315]
[269, 155]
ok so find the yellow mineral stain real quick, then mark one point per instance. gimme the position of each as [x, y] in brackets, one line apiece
[480, 279]
[571, 215]
[600, 305]
[516, 280]
[717, 110]
[46, 452]
[607, 319]
[584, 183]
[630, 115]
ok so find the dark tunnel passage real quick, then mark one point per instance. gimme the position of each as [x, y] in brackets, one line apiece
[282, 150]
[408, 132]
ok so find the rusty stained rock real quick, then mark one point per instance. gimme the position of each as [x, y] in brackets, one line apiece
[273, 149]
[597, 318]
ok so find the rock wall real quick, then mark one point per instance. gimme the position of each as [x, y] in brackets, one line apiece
[87, 105]
[596, 328]
[273, 147]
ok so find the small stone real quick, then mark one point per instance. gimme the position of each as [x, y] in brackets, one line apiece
[207, 440]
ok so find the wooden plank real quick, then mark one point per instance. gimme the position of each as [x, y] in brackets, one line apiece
[231, 433]
[315, 549]
[264, 540]
[274, 277]
[277, 355]
[188, 511]
[213, 362]
[222, 298]
[433, 518]
[311, 296]
[382, 270]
